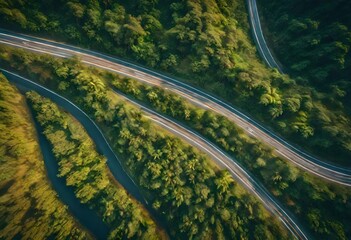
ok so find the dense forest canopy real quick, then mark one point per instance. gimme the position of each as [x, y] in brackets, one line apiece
[197, 199]
[323, 207]
[313, 40]
[300, 192]
[30, 208]
[207, 43]
[85, 170]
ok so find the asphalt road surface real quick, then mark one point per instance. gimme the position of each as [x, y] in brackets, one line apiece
[259, 39]
[220, 157]
[95, 133]
[227, 162]
[281, 147]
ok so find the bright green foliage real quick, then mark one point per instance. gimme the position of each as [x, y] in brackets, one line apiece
[29, 207]
[85, 170]
[207, 43]
[198, 200]
[299, 191]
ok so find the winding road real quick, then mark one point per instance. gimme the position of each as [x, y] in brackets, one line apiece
[81, 212]
[225, 161]
[95, 133]
[220, 157]
[258, 37]
[207, 101]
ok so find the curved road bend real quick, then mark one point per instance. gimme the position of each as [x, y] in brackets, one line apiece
[85, 216]
[96, 134]
[225, 161]
[185, 133]
[258, 37]
[198, 97]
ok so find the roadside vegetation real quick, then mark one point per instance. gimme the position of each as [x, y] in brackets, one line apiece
[306, 195]
[323, 207]
[85, 170]
[197, 199]
[207, 43]
[30, 208]
[313, 43]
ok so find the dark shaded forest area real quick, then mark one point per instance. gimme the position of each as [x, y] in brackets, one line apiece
[313, 39]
